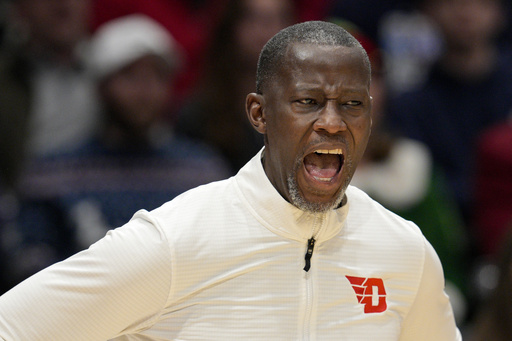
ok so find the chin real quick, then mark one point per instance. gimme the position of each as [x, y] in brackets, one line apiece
[298, 200]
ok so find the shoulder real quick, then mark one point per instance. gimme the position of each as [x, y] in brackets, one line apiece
[197, 202]
[366, 210]
[384, 233]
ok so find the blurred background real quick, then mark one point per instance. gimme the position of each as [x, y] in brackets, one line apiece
[110, 106]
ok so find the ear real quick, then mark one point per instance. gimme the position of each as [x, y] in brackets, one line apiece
[254, 107]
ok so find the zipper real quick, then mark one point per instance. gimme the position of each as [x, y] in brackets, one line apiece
[311, 242]
[309, 253]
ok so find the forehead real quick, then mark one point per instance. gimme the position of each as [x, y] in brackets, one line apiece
[326, 64]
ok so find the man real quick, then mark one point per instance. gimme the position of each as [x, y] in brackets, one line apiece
[272, 253]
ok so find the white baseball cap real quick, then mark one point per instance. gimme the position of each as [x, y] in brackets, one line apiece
[119, 42]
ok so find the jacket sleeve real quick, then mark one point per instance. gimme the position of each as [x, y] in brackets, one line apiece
[431, 315]
[117, 286]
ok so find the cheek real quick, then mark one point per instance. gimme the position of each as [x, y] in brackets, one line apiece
[283, 138]
[161, 93]
[283, 129]
[361, 130]
[120, 93]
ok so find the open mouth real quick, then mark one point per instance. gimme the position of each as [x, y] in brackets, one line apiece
[324, 164]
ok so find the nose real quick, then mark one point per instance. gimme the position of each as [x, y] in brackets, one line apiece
[330, 119]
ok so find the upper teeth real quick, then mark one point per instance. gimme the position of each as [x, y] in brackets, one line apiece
[329, 151]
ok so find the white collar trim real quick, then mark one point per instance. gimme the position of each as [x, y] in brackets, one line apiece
[278, 215]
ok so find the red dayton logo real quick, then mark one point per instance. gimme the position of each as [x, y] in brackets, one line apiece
[370, 292]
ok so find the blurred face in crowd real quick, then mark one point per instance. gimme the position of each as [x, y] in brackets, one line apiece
[260, 21]
[316, 118]
[138, 94]
[466, 22]
[57, 24]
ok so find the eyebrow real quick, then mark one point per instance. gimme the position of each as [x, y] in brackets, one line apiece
[319, 88]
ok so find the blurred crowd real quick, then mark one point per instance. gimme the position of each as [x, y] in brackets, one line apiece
[111, 106]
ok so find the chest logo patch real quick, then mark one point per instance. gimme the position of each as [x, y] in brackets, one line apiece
[370, 292]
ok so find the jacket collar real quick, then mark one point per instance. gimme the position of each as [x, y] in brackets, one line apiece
[278, 215]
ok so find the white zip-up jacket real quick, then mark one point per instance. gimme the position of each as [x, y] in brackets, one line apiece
[225, 261]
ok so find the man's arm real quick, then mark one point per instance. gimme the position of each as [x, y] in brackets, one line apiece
[117, 286]
[431, 316]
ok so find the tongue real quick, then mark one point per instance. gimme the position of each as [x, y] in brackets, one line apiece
[322, 165]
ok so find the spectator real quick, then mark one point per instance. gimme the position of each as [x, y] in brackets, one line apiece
[190, 22]
[135, 162]
[46, 100]
[493, 187]
[229, 76]
[468, 89]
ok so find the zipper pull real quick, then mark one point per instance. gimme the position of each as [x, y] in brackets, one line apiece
[309, 254]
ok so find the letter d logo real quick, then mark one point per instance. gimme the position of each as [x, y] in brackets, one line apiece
[370, 292]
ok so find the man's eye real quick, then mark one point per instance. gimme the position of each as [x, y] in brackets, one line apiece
[308, 101]
[354, 103]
